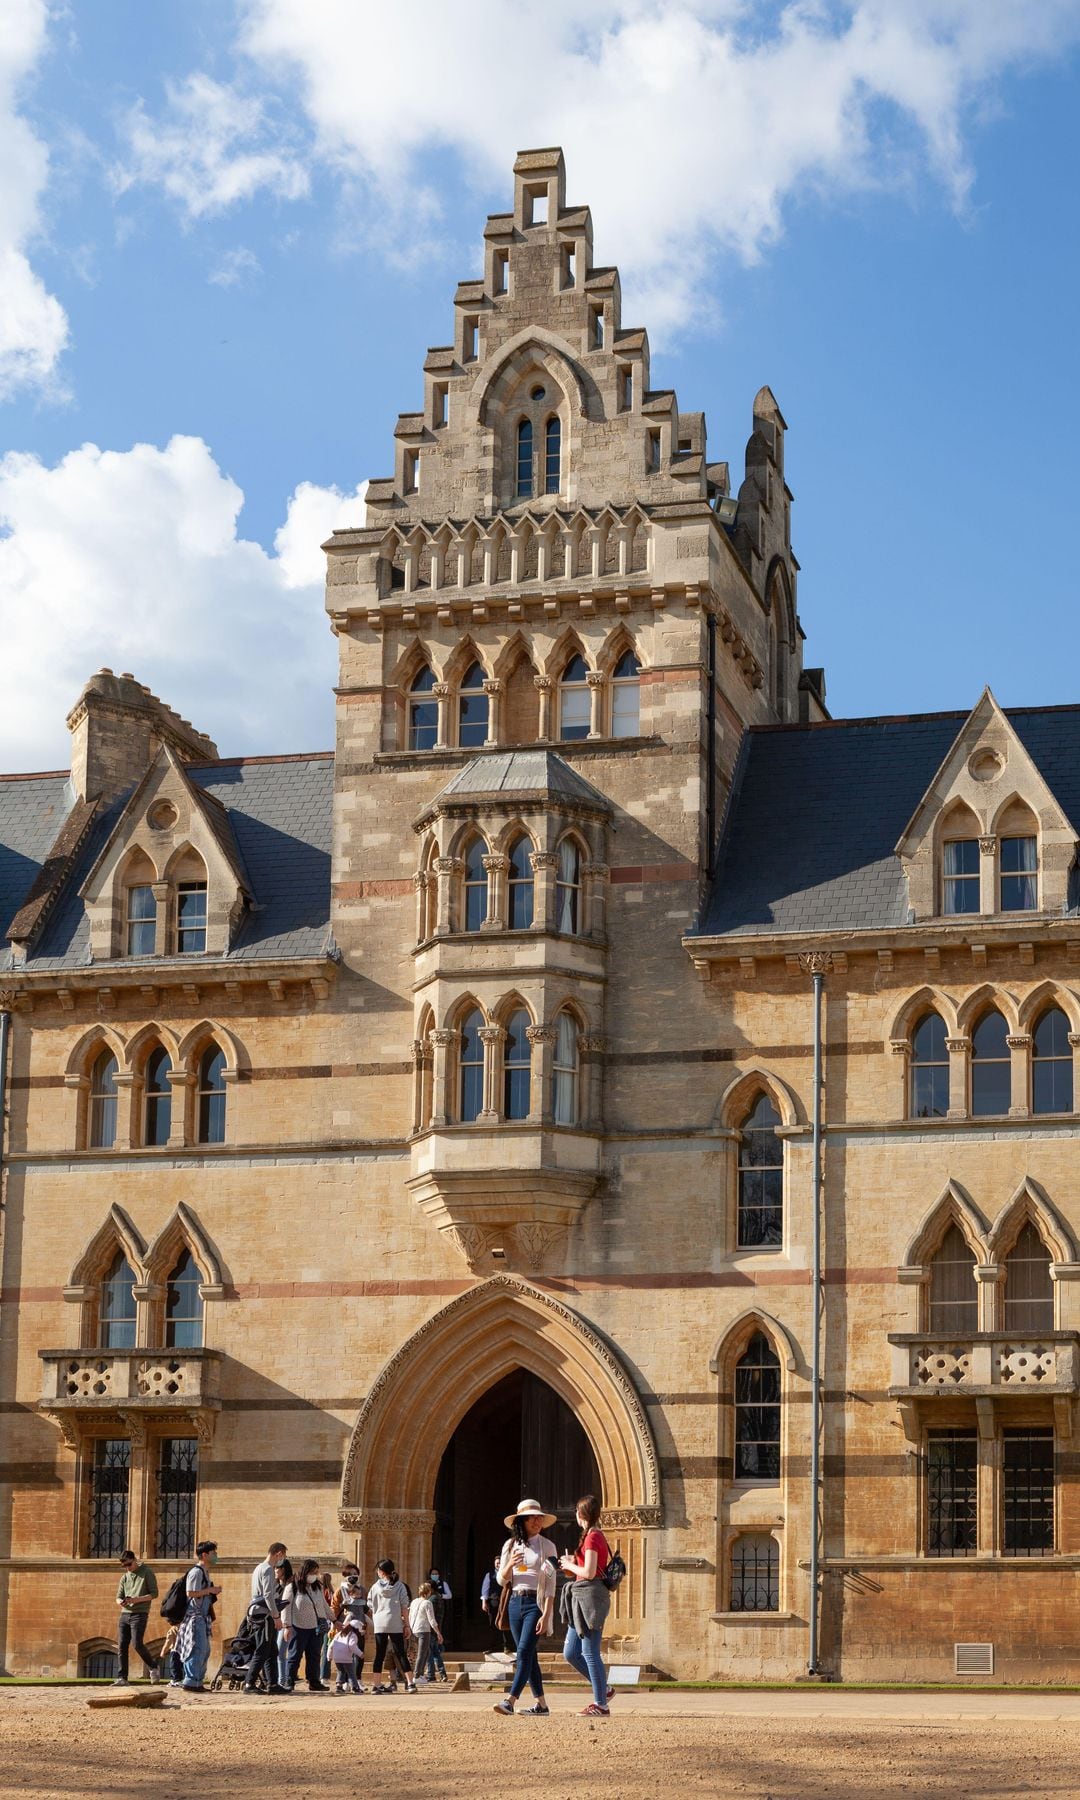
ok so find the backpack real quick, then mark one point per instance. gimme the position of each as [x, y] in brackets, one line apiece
[614, 1572]
[174, 1605]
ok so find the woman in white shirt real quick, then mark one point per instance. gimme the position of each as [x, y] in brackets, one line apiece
[527, 1565]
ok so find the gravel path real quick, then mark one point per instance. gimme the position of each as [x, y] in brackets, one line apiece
[52, 1745]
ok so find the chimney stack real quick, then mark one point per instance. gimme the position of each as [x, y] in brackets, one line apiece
[117, 727]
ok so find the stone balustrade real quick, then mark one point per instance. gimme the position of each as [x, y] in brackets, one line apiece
[985, 1363]
[102, 1380]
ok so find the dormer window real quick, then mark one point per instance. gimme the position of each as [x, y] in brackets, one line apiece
[423, 712]
[141, 920]
[1019, 874]
[960, 876]
[191, 918]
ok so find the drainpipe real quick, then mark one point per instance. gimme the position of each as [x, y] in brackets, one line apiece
[815, 964]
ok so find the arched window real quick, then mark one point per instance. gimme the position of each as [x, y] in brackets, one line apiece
[423, 712]
[103, 1102]
[991, 1067]
[568, 888]
[565, 1070]
[519, 886]
[552, 456]
[574, 704]
[755, 1573]
[472, 709]
[117, 1310]
[952, 1300]
[1018, 866]
[929, 1069]
[517, 1066]
[211, 1096]
[757, 1412]
[183, 1305]
[471, 1067]
[524, 459]
[1052, 1064]
[626, 696]
[157, 1099]
[960, 863]
[1029, 1287]
[141, 920]
[476, 886]
[191, 916]
[761, 1179]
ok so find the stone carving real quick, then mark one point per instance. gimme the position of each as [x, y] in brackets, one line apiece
[471, 1241]
[160, 1378]
[1025, 1365]
[90, 1379]
[815, 962]
[535, 1241]
[385, 1518]
[941, 1368]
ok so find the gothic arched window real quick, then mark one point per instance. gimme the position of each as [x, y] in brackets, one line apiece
[757, 1412]
[991, 1067]
[1051, 1064]
[157, 1099]
[211, 1097]
[565, 1070]
[626, 696]
[552, 456]
[952, 1299]
[929, 1069]
[471, 1068]
[524, 485]
[575, 707]
[517, 1066]
[519, 886]
[568, 888]
[423, 712]
[761, 1179]
[472, 709]
[183, 1305]
[475, 886]
[103, 1102]
[1029, 1286]
[117, 1305]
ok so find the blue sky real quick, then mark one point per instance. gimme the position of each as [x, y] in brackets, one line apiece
[236, 228]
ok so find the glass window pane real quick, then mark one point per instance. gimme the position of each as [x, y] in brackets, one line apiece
[524, 459]
[566, 1070]
[757, 1412]
[951, 1493]
[103, 1104]
[520, 887]
[1019, 876]
[471, 1063]
[517, 1067]
[142, 921]
[183, 1305]
[960, 865]
[1029, 1286]
[953, 1297]
[929, 1069]
[117, 1318]
[761, 1179]
[191, 918]
[575, 712]
[552, 457]
[568, 887]
[178, 1478]
[472, 709]
[991, 1067]
[157, 1104]
[110, 1473]
[625, 709]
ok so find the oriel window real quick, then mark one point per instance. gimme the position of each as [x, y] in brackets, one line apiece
[423, 712]
[471, 1068]
[761, 1179]
[568, 888]
[476, 885]
[472, 709]
[519, 886]
[757, 1412]
[565, 1070]
[517, 1066]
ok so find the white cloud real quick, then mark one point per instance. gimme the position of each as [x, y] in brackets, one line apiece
[688, 125]
[235, 267]
[132, 559]
[212, 148]
[33, 324]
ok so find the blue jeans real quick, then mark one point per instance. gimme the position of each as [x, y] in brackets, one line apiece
[304, 1643]
[583, 1654]
[282, 1660]
[524, 1616]
[323, 1631]
[195, 1664]
[435, 1659]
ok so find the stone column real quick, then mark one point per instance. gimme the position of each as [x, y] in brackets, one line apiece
[542, 1039]
[446, 868]
[989, 1280]
[543, 863]
[442, 1042]
[80, 1087]
[441, 691]
[182, 1085]
[491, 1036]
[438, 563]
[901, 1050]
[419, 1050]
[140, 1477]
[595, 877]
[544, 686]
[1074, 1041]
[987, 874]
[493, 689]
[495, 867]
[591, 1049]
[624, 536]
[1020, 1060]
[959, 1049]
[420, 883]
[160, 891]
[596, 685]
[128, 1093]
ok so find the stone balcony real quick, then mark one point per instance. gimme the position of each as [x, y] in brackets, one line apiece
[995, 1369]
[141, 1384]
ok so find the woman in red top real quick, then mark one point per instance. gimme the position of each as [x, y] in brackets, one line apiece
[589, 1603]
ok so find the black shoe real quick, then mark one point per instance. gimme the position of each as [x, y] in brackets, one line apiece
[317, 1687]
[276, 1688]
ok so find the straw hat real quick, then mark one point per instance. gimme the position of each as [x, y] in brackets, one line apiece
[529, 1509]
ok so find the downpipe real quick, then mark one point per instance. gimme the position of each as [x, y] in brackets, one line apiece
[816, 964]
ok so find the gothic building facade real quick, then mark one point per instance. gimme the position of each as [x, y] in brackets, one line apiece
[391, 1131]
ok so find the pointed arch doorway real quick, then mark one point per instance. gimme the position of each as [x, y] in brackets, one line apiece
[519, 1438]
[502, 1328]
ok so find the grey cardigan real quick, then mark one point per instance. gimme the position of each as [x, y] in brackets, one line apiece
[590, 1603]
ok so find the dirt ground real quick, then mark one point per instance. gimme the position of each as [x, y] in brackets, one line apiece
[51, 1744]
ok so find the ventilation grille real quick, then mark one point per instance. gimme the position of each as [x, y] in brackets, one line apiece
[973, 1659]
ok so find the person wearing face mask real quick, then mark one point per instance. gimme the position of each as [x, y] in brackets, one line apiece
[265, 1614]
[193, 1644]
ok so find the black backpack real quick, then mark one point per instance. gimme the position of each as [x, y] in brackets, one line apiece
[614, 1572]
[174, 1605]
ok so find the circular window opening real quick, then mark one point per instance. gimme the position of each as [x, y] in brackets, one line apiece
[161, 815]
[985, 765]
[538, 393]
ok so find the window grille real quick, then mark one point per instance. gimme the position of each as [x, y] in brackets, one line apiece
[157, 1103]
[517, 1067]
[626, 696]
[103, 1103]
[953, 1301]
[757, 1412]
[1019, 874]
[211, 1097]
[472, 709]
[1029, 1288]
[1052, 1064]
[929, 1069]
[519, 887]
[960, 872]
[761, 1179]
[471, 1068]
[991, 1067]
[476, 885]
[565, 1070]
[1028, 1491]
[117, 1315]
[109, 1476]
[755, 1573]
[178, 1478]
[575, 707]
[141, 921]
[423, 713]
[951, 1493]
[191, 918]
[183, 1305]
[100, 1665]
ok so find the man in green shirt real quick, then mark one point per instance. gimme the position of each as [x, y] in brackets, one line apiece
[138, 1586]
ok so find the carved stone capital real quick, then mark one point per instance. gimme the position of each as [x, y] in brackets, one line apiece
[1019, 1041]
[957, 1045]
[542, 859]
[8, 999]
[448, 865]
[496, 862]
[597, 871]
[493, 686]
[1074, 1038]
[900, 1046]
[592, 1042]
[543, 683]
[540, 1034]
[815, 962]
[987, 846]
[491, 1034]
[442, 1037]
[595, 679]
[420, 879]
[441, 690]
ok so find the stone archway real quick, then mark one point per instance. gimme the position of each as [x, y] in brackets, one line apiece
[425, 1390]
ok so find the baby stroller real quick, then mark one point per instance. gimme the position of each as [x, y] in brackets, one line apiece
[237, 1659]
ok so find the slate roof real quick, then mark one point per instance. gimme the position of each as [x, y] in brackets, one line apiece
[816, 810]
[279, 811]
[531, 772]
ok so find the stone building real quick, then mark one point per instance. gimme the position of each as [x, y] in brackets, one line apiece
[392, 1131]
